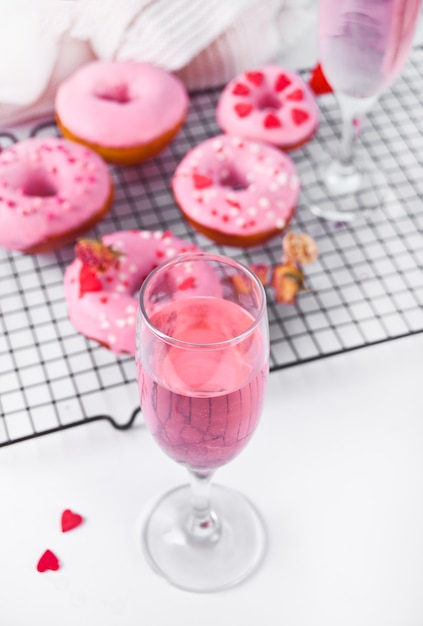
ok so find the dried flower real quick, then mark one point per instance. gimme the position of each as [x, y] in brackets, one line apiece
[299, 249]
[96, 255]
[262, 272]
[287, 281]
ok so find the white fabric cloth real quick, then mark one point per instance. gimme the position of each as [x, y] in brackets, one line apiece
[205, 43]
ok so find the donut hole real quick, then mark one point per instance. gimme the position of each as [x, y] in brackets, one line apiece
[39, 187]
[268, 100]
[232, 178]
[116, 93]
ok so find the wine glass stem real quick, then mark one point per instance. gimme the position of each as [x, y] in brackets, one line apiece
[347, 144]
[353, 111]
[202, 522]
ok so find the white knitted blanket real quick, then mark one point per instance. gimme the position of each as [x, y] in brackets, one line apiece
[205, 42]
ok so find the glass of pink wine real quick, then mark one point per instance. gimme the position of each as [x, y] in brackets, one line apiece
[202, 364]
[363, 45]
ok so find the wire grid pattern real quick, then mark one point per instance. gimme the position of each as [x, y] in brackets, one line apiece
[366, 286]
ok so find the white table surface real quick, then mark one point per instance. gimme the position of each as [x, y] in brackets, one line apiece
[335, 468]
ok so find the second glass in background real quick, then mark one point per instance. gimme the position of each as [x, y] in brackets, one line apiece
[363, 45]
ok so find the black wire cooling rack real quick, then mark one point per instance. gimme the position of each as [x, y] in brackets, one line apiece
[366, 287]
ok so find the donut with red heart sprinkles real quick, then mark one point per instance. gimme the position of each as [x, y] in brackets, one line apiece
[270, 104]
[235, 191]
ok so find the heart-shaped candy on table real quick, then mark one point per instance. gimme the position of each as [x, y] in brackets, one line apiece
[48, 561]
[70, 520]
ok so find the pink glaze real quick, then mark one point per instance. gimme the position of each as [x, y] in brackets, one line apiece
[119, 104]
[269, 104]
[48, 187]
[109, 315]
[237, 187]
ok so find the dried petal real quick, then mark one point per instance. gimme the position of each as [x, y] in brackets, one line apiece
[262, 272]
[299, 249]
[240, 283]
[287, 281]
[97, 255]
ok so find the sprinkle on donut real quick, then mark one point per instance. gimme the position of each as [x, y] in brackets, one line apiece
[236, 191]
[270, 104]
[102, 283]
[51, 191]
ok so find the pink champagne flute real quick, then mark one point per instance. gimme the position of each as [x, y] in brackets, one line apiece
[363, 45]
[202, 362]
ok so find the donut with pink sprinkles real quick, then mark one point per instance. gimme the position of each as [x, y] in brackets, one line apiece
[52, 190]
[235, 191]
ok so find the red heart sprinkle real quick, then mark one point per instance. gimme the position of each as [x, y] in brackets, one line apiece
[272, 121]
[240, 90]
[256, 78]
[88, 281]
[70, 520]
[104, 300]
[282, 82]
[48, 561]
[201, 182]
[296, 95]
[188, 283]
[233, 203]
[318, 82]
[243, 109]
[299, 116]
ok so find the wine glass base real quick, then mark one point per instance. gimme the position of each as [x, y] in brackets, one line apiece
[350, 195]
[341, 180]
[204, 565]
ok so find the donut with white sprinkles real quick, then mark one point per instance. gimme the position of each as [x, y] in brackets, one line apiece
[235, 191]
[102, 283]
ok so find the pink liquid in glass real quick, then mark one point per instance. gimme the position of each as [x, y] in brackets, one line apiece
[202, 406]
[365, 43]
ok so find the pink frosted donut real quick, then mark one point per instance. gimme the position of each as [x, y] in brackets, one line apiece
[51, 191]
[102, 304]
[269, 104]
[127, 112]
[235, 191]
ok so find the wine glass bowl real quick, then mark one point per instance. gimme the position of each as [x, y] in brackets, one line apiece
[202, 362]
[363, 45]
